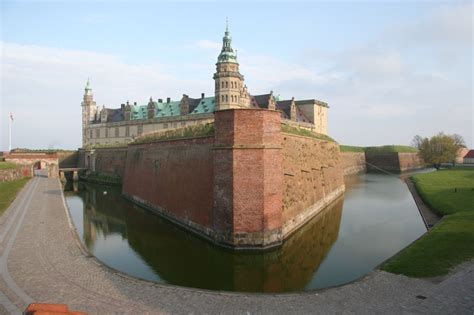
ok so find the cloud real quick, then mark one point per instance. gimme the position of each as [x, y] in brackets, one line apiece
[43, 87]
[208, 44]
[411, 79]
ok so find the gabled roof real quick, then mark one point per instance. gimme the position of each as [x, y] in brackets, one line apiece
[469, 155]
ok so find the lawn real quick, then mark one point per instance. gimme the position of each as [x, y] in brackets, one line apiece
[381, 149]
[449, 193]
[7, 165]
[9, 190]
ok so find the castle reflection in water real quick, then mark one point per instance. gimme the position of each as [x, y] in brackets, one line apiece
[177, 257]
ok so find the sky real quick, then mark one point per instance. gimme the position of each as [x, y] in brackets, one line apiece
[389, 70]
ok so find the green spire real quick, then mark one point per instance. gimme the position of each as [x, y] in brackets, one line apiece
[88, 87]
[227, 53]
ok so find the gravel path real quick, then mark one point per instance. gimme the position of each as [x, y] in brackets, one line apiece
[42, 260]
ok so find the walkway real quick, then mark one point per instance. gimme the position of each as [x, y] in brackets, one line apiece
[41, 261]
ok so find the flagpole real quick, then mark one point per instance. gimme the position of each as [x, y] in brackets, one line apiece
[9, 133]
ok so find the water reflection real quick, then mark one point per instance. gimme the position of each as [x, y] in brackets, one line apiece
[375, 220]
[172, 255]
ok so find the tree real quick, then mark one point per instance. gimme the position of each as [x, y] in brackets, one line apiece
[438, 149]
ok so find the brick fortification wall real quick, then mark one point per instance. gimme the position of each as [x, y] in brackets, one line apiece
[248, 186]
[353, 162]
[395, 162]
[110, 161]
[247, 178]
[68, 159]
[313, 178]
[174, 178]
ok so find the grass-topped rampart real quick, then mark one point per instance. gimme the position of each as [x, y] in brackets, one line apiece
[8, 165]
[380, 149]
[305, 133]
[450, 193]
[180, 133]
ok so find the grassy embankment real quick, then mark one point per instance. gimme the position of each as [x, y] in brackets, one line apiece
[7, 166]
[450, 193]
[9, 190]
[381, 149]
[305, 133]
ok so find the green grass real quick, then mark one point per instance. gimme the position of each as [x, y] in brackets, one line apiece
[351, 148]
[9, 190]
[381, 149]
[391, 148]
[451, 241]
[7, 165]
[305, 133]
[180, 133]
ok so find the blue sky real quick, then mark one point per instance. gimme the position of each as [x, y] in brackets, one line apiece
[389, 70]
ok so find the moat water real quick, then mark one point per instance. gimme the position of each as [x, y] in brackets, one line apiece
[375, 219]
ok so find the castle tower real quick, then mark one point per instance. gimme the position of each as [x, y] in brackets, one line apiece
[228, 80]
[89, 110]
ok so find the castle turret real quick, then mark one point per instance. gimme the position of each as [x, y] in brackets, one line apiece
[89, 110]
[228, 80]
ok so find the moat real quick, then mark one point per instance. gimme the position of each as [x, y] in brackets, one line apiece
[375, 219]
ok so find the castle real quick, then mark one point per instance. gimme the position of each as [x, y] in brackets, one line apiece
[249, 184]
[107, 126]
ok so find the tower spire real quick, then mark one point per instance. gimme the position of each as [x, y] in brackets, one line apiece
[227, 53]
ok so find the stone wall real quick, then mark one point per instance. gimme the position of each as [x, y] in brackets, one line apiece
[14, 174]
[28, 159]
[353, 162]
[174, 178]
[393, 162]
[313, 178]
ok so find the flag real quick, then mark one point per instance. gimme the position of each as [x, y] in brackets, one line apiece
[11, 116]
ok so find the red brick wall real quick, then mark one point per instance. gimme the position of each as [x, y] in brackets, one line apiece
[110, 161]
[312, 170]
[410, 161]
[353, 162]
[393, 161]
[247, 173]
[173, 176]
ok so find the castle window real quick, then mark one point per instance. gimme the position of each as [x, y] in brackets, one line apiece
[116, 132]
[97, 133]
[140, 129]
[106, 132]
[226, 98]
[226, 84]
[222, 84]
[90, 134]
[165, 126]
[222, 97]
[127, 131]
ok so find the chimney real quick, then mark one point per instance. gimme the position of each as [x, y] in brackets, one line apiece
[168, 100]
[160, 100]
[202, 95]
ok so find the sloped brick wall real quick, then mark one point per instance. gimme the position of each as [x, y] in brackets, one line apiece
[353, 162]
[313, 178]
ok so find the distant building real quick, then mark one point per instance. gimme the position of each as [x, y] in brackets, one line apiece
[107, 126]
[469, 157]
[460, 154]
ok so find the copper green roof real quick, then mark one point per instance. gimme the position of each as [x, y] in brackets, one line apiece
[227, 53]
[201, 106]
